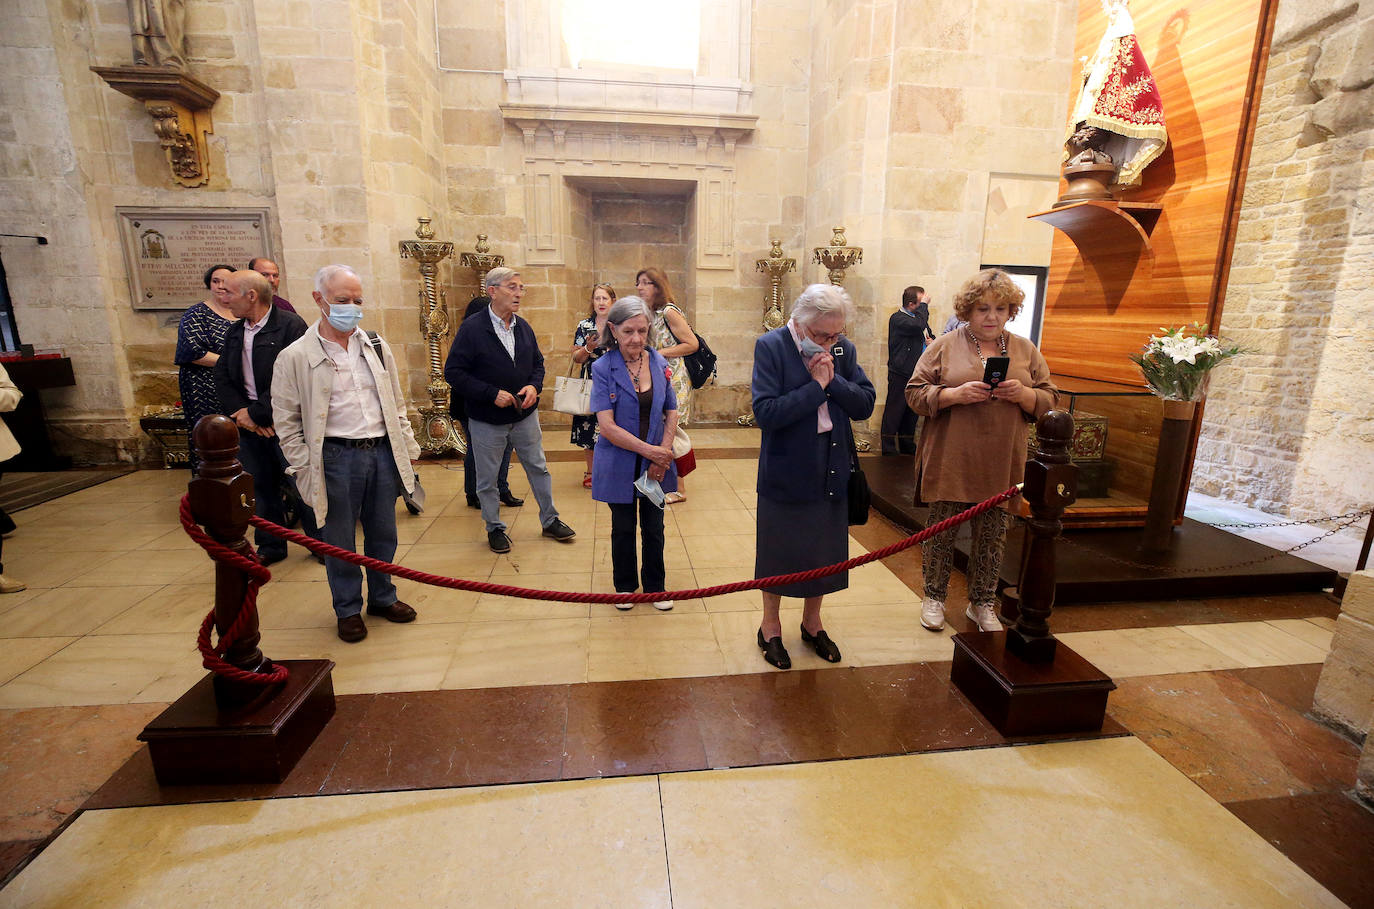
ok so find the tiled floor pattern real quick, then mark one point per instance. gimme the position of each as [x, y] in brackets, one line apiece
[106, 624]
[1103, 818]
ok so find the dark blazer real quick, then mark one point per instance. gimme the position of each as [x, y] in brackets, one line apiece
[906, 340]
[478, 367]
[281, 329]
[786, 399]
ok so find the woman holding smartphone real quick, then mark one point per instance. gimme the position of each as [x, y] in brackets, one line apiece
[973, 445]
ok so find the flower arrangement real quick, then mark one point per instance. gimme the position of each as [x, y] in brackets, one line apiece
[1176, 364]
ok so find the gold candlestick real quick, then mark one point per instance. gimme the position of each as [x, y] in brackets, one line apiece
[437, 431]
[775, 266]
[838, 256]
[481, 262]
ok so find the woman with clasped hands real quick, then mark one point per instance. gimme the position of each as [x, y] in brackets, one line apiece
[974, 442]
[807, 386]
[636, 411]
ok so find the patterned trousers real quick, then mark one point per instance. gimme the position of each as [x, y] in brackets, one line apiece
[985, 558]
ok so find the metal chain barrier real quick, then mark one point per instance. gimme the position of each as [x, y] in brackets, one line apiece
[259, 575]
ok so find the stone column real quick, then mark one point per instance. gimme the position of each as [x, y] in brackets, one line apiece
[1345, 691]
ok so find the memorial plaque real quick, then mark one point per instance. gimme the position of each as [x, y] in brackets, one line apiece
[166, 250]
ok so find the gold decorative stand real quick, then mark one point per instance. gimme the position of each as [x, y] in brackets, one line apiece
[481, 262]
[775, 266]
[437, 432]
[838, 256]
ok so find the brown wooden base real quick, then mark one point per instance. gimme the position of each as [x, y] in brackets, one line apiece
[1020, 698]
[193, 741]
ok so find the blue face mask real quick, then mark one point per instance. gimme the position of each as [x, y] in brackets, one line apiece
[810, 348]
[345, 316]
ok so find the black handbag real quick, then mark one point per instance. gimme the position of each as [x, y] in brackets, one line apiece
[859, 497]
[701, 366]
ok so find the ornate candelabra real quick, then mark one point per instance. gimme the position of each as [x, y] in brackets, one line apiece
[437, 432]
[775, 266]
[481, 261]
[838, 256]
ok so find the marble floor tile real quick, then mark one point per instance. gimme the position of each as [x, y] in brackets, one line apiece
[392, 657]
[723, 550]
[69, 612]
[42, 569]
[881, 633]
[1230, 738]
[110, 538]
[535, 652]
[574, 844]
[652, 647]
[1257, 643]
[617, 729]
[471, 560]
[873, 583]
[295, 604]
[97, 669]
[1317, 635]
[492, 607]
[736, 633]
[603, 581]
[1122, 653]
[174, 538]
[710, 523]
[742, 601]
[1292, 686]
[21, 654]
[455, 528]
[1104, 817]
[174, 566]
[171, 608]
[55, 757]
[540, 555]
[14, 600]
[923, 709]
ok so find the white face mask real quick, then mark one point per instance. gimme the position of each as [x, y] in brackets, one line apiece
[810, 348]
[650, 489]
[345, 316]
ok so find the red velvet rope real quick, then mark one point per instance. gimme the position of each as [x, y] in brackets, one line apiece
[259, 575]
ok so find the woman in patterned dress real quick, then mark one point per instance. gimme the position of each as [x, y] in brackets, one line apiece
[674, 339]
[586, 348]
[200, 338]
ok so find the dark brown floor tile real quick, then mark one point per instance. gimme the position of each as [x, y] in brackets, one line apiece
[53, 758]
[1230, 738]
[624, 728]
[785, 717]
[917, 703]
[1291, 686]
[134, 784]
[1328, 834]
[431, 739]
[13, 853]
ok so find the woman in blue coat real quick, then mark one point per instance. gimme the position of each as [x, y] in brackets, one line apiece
[807, 386]
[636, 411]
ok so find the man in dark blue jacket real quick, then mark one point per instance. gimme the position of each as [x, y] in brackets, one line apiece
[907, 332]
[243, 379]
[495, 364]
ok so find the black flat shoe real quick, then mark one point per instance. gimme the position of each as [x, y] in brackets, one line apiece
[821, 643]
[511, 501]
[774, 653]
[473, 502]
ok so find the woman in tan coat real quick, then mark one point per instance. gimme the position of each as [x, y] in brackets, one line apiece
[974, 442]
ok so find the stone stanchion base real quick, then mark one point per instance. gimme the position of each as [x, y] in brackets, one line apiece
[193, 741]
[1020, 698]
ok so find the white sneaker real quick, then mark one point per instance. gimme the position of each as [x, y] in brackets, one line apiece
[985, 617]
[624, 607]
[932, 614]
[663, 605]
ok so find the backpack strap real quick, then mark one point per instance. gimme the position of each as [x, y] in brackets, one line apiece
[376, 341]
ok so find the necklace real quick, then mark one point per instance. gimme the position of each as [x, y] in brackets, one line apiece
[637, 371]
[978, 347]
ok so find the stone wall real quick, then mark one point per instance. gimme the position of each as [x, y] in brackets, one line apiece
[1283, 432]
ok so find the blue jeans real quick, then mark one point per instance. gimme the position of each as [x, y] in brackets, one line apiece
[488, 444]
[361, 484]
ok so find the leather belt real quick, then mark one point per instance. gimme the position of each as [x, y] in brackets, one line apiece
[365, 444]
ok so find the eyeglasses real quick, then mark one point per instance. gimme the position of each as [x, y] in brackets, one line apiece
[823, 339]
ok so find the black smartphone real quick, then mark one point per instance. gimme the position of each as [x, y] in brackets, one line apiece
[996, 370]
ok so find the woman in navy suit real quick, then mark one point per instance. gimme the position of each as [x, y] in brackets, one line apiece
[636, 411]
[807, 386]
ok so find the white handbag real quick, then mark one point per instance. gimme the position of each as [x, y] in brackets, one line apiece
[572, 395]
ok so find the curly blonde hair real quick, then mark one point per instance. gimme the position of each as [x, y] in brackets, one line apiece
[991, 285]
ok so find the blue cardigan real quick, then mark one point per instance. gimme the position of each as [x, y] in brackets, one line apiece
[478, 367]
[786, 399]
[613, 467]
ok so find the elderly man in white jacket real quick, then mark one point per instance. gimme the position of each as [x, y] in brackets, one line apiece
[341, 418]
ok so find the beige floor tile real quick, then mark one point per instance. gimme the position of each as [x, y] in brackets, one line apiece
[874, 583]
[494, 608]
[1322, 621]
[295, 604]
[435, 605]
[706, 523]
[543, 556]
[674, 553]
[1147, 651]
[737, 635]
[176, 538]
[70, 611]
[640, 646]
[568, 844]
[603, 582]
[411, 527]
[1304, 630]
[538, 652]
[14, 600]
[392, 657]
[108, 538]
[742, 601]
[458, 528]
[1256, 643]
[1113, 824]
[733, 550]
[178, 608]
[878, 634]
[472, 561]
[100, 669]
[174, 566]
[19, 655]
[44, 569]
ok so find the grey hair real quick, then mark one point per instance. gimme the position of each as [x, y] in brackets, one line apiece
[622, 311]
[329, 273]
[822, 300]
[498, 276]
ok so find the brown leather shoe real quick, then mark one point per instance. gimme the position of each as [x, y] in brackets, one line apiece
[397, 612]
[352, 629]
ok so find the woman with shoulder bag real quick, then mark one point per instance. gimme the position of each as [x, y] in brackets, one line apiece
[586, 349]
[673, 338]
[636, 411]
[807, 387]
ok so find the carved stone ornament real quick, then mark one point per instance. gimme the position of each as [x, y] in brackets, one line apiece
[180, 106]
